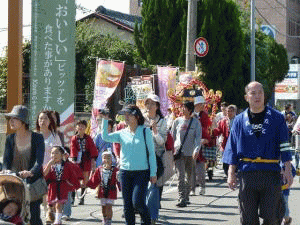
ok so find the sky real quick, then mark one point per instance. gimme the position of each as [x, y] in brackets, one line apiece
[118, 5]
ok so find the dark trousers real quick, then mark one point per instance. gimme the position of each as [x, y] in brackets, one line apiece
[225, 168]
[35, 212]
[134, 190]
[260, 195]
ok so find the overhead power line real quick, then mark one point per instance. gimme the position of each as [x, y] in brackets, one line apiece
[275, 8]
[292, 11]
[274, 27]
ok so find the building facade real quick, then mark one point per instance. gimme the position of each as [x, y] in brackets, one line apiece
[280, 19]
[135, 7]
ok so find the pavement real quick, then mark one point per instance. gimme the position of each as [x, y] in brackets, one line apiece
[218, 206]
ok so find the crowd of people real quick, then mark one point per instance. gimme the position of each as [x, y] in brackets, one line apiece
[134, 157]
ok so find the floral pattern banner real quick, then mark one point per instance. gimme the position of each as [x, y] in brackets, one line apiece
[166, 85]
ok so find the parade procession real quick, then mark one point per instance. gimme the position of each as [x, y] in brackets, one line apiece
[132, 117]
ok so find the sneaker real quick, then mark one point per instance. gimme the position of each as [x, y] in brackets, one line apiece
[65, 218]
[50, 217]
[202, 191]
[192, 193]
[181, 204]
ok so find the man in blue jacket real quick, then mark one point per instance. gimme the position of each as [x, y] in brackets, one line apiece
[258, 141]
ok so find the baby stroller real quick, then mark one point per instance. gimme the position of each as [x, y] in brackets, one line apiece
[14, 188]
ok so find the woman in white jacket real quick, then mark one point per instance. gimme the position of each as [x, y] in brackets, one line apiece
[158, 124]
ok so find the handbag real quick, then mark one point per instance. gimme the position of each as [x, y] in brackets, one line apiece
[169, 142]
[178, 153]
[37, 189]
[159, 162]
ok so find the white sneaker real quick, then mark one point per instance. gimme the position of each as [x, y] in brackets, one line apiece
[202, 191]
[192, 193]
[65, 218]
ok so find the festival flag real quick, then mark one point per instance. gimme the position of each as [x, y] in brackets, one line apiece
[108, 76]
[166, 83]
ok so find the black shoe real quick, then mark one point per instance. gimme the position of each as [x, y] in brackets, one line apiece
[187, 202]
[181, 204]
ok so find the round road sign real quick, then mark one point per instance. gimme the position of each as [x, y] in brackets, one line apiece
[201, 47]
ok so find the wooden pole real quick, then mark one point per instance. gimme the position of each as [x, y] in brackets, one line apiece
[14, 76]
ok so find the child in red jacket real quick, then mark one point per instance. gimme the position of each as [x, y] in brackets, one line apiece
[84, 152]
[61, 178]
[105, 177]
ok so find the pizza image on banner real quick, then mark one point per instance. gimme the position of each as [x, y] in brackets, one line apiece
[108, 74]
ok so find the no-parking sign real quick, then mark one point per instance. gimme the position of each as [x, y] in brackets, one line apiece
[201, 47]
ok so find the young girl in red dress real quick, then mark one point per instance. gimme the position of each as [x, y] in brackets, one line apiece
[61, 178]
[105, 177]
[84, 152]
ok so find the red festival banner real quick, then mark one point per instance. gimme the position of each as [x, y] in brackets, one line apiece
[108, 76]
[166, 83]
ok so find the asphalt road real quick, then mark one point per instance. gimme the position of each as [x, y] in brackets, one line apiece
[218, 206]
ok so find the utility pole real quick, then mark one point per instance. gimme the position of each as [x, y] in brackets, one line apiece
[191, 35]
[14, 75]
[253, 22]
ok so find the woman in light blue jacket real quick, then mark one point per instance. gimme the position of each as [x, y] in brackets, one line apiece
[137, 166]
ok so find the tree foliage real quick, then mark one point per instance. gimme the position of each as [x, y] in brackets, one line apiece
[227, 29]
[92, 44]
[159, 37]
[223, 64]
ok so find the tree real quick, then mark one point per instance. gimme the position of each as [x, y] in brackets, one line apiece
[227, 29]
[223, 64]
[159, 38]
[3, 74]
[92, 44]
[3, 82]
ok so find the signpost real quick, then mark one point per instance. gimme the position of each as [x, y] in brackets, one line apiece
[201, 47]
[53, 60]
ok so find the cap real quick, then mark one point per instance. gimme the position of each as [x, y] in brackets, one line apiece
[153, 97]
[20, 112]
[199, 99]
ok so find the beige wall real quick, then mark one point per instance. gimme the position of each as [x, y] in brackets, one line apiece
[278, 15]
[109, 28]
[134, 9]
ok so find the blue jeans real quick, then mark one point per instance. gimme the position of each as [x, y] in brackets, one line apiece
[286, 205]
[35, 212]
[297, 159]
[134, 189]
[67, 210]
[153, 201]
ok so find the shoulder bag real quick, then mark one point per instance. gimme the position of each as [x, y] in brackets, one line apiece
[178, 153]
[37, 189]
[159, 162]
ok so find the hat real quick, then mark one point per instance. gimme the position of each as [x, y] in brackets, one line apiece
[128, 109]
[153, 97]
[199, 99]
[20, 112]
